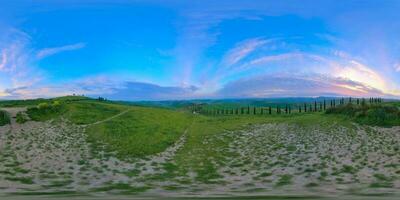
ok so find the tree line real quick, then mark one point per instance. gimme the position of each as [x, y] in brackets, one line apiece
[316, 106]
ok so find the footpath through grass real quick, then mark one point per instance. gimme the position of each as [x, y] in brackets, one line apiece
[141, 131]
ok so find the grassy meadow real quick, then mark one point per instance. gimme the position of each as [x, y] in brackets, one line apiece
[141, 131]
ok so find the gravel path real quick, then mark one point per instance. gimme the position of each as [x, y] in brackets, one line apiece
[110, 118]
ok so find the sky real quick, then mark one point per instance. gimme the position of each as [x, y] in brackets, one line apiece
[171, 50]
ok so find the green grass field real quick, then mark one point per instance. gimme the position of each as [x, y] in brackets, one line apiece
[141, 131]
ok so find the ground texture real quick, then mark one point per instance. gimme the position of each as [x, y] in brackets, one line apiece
[55, 157]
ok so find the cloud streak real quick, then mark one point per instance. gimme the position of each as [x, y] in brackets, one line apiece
[149, 91]
[242, 50]
[17, 68]
[295, 86]
[43, 53]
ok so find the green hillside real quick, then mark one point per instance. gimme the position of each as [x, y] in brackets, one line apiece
[141, 131]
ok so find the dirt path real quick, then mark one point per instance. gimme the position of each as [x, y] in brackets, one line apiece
[108, 119]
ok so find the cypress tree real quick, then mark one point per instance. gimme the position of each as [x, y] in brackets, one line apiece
[305, 107]
[315, 106]
[270, 110]
[254, 110]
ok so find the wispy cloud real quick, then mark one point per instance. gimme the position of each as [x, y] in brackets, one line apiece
[149, 91]
[271, 58]
[88, 86]
[54, 50]
[17, 68]
[292, 86]
[356, 71]
[242, 50]
[105, 87]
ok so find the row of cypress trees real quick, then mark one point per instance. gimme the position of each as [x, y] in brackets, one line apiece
[286, 108]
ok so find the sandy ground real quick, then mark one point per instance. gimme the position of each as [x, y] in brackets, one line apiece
[54, 157]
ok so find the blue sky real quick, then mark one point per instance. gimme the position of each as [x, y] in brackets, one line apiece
[158, 50]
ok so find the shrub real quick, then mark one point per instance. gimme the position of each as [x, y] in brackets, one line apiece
[43, 106]
[45, 111]
[4, 118]
[381, 115]
[21, 118]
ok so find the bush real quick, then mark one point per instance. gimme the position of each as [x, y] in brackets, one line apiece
[381, 115]
[45, 111]
[43, 106]
[4, 118]
[21, 118]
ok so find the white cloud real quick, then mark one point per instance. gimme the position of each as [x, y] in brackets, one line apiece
[18, 68]
[272, 58]
[51, 51]
[241, 50]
